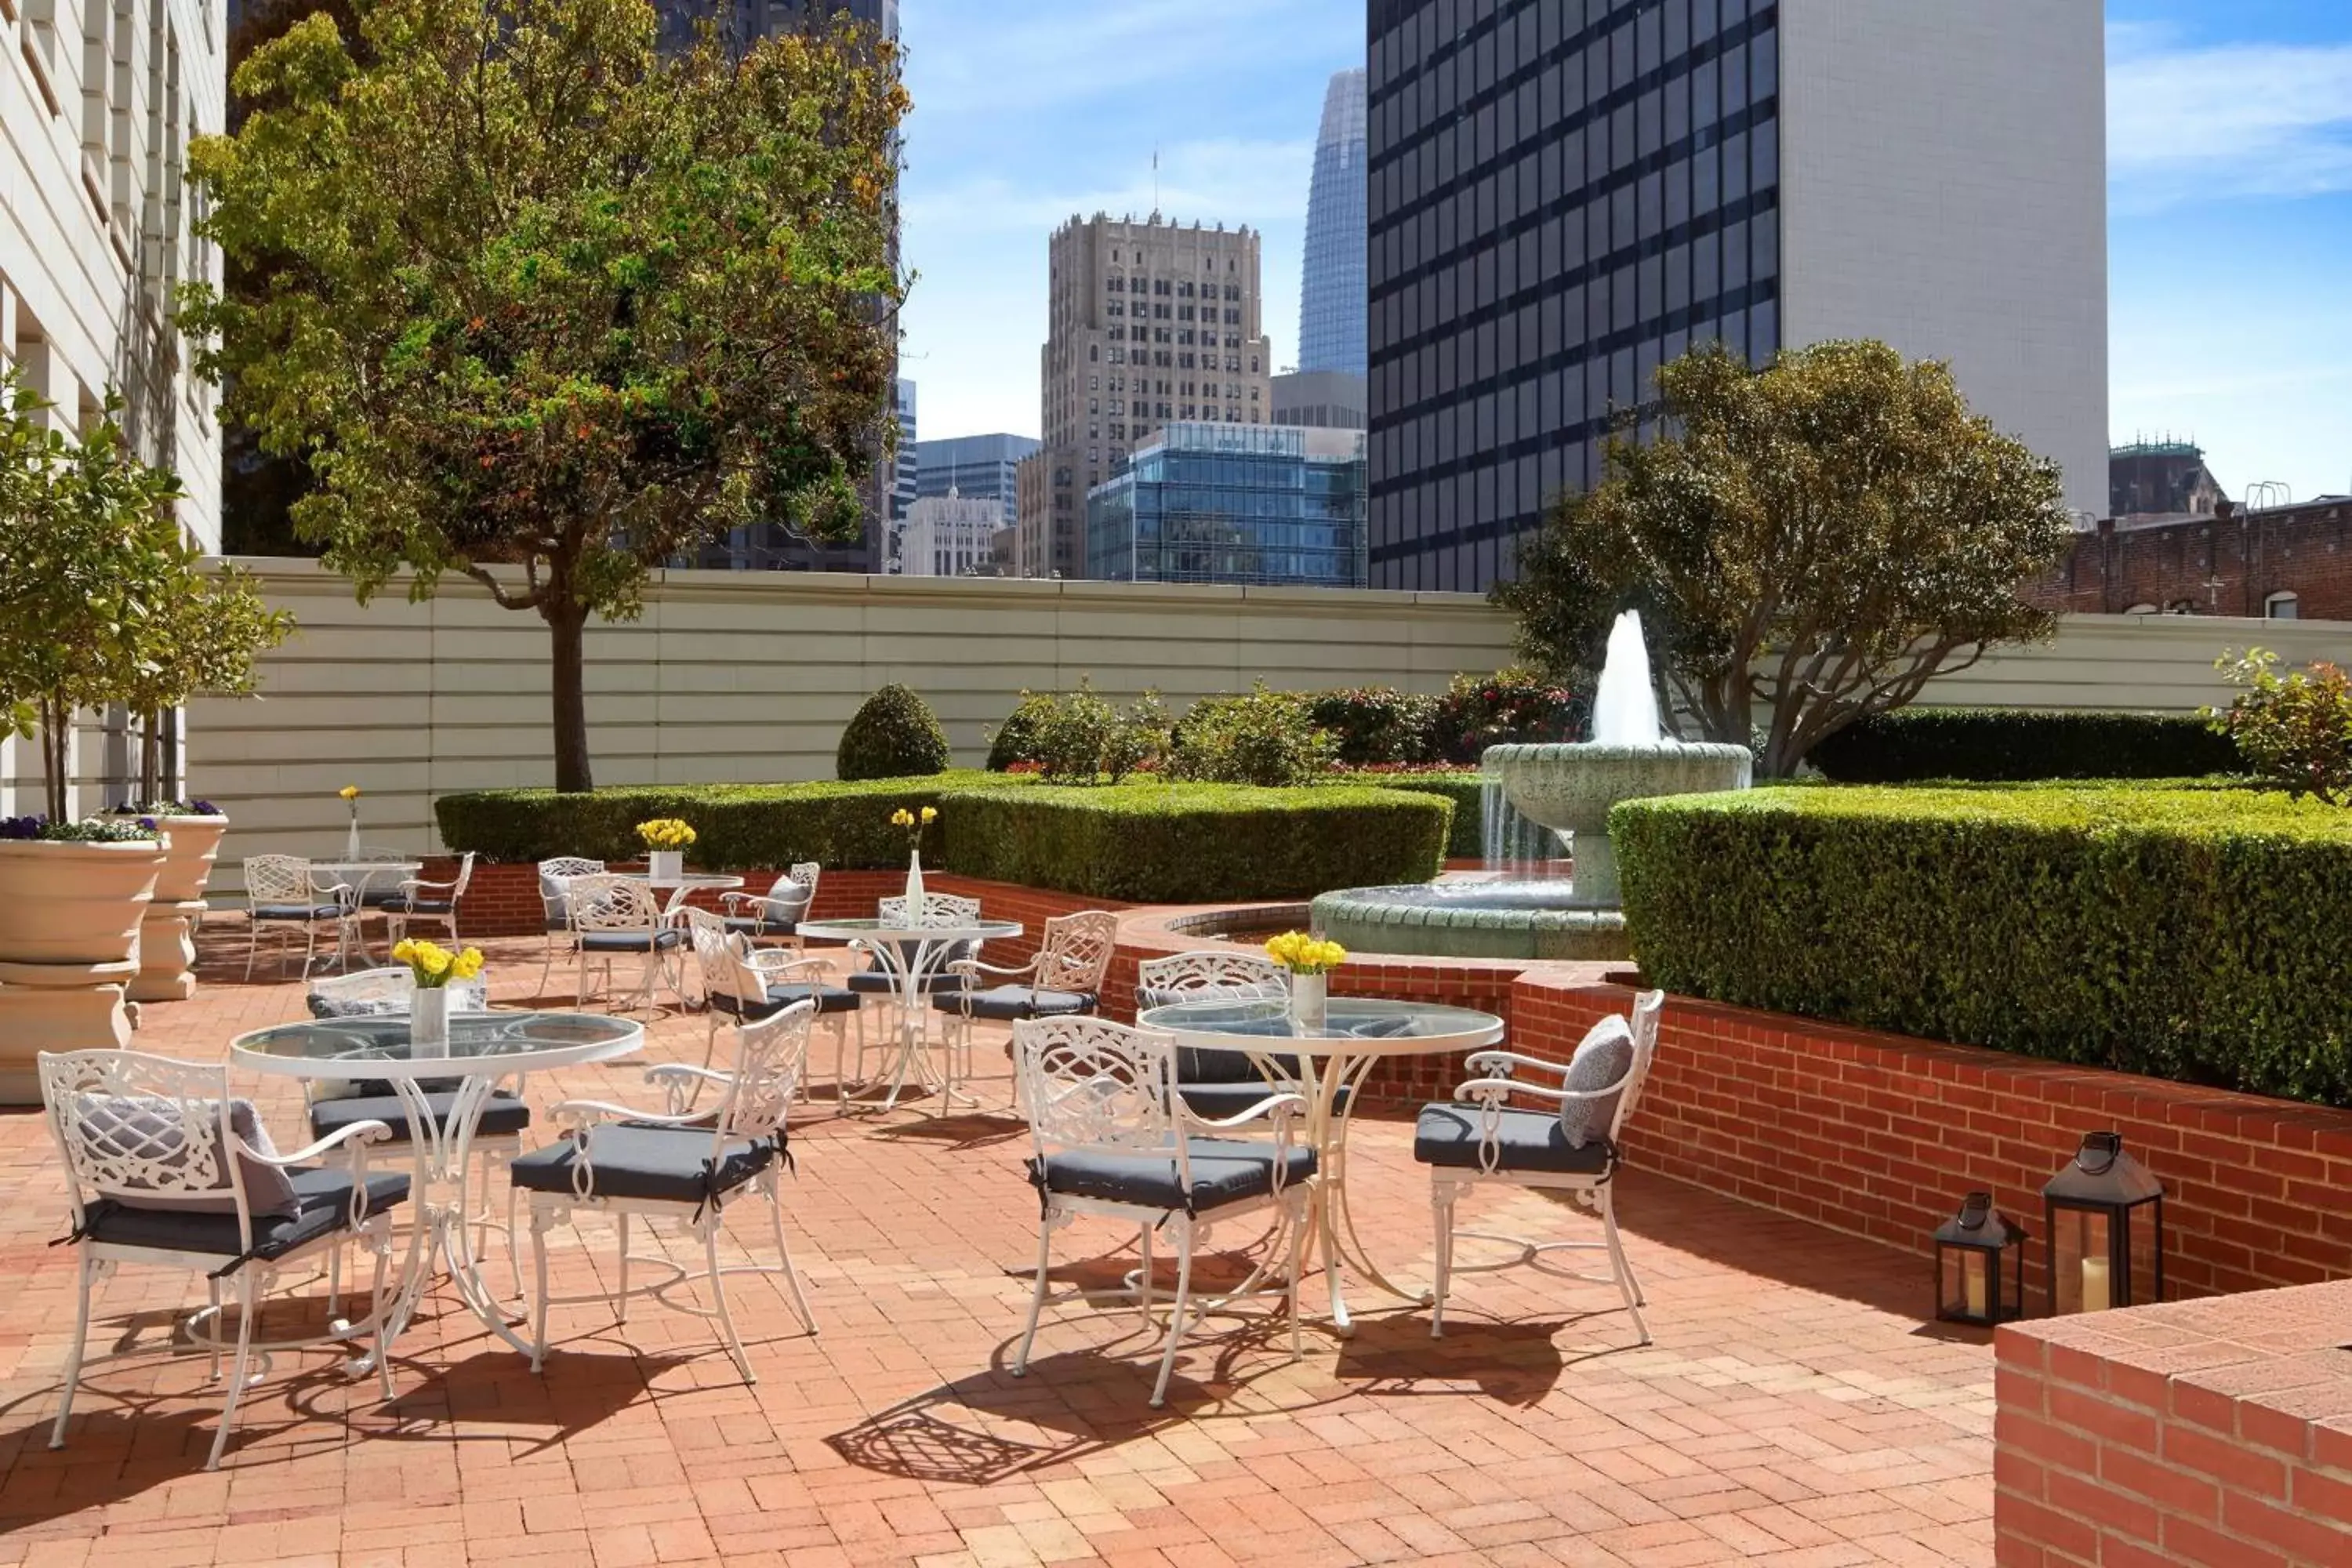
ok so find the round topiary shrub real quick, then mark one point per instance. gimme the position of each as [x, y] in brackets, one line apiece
[1015, 739]
[894, 736]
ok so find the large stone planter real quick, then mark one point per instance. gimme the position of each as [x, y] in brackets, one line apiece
[69, 920]
[167, 946]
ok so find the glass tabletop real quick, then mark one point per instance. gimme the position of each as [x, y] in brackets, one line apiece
[1349, 1022]
[900, 930]
[379, 1046]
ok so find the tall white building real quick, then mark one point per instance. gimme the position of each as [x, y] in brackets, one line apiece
[1565, 196]
[949, 535]
[98, 101]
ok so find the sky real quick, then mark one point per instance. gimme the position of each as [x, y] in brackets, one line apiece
[2230, 173]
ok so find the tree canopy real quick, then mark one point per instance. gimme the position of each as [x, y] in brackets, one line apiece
[1808, 543]
[539, 305]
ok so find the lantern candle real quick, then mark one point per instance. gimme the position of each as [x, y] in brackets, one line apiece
[2096, 1294]
[1974, 1265]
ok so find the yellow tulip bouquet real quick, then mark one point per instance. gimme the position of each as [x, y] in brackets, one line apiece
[913, 823]
[1303, 954]
[665, 832]
[433, 966]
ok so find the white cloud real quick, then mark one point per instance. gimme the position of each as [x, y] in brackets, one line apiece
[2188, 123]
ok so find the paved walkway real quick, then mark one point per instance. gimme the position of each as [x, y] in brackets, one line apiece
[1793, 1410]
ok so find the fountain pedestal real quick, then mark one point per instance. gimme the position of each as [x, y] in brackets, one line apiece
[1570, 789]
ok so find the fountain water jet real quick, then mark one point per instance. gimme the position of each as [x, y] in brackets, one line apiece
[1569, 789]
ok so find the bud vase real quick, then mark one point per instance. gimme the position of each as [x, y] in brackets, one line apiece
[915, 911]
[1310, 997]
[352, 842]
[428, 1020]
[667, 865]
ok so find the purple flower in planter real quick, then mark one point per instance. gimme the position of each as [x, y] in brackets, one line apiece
[23, 827]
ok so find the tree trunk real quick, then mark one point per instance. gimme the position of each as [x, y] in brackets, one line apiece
[566, 626]
[57, 737]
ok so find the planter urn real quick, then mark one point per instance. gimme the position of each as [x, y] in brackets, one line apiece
[70, 916]
[167, 947]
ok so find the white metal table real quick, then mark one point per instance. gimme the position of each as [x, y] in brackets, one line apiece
[484, 1051]
[910, 954]
[1357, 1033]
[361, 876]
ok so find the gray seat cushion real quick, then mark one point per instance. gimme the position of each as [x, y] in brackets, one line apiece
[325, 1197]
[829, 999]
[1224, 1171]
[747, 925]
[1216, 1101]
[503, 1116]
[627, 1160]
[421, 907]
[1526, 1141]
[663, 941]
[1006, 1003]
[297, 911]
[874, 982]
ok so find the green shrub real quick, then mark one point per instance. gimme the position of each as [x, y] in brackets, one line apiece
[2021, 745]
[1468, 791]
[894, 735]
[1015, 739]
[1508, 707]
[2194, 934]
[1146, 842]
[1265, 739]
[1377, 724]
[2294, 731]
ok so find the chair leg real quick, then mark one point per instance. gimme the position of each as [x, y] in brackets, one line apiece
[621, 1306]
[1143, 1277]
[252, 946]
[335, 1283]
[380, 1237]
[792, 1275]
[1441, 1203]
[1037, 1297]
[514, 1237]
[539, 1223]
[1176, 1316]
[1298, 1221]
[240, 1368]
[547, 967]
[73, 1357]
[1617, 1261]
[212, 1297]
[718, 1299]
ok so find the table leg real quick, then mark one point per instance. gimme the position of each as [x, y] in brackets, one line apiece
[1329, 1189]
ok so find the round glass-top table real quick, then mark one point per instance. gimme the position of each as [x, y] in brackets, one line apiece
[484, 1050]
[1328, 1062]
[910, 954]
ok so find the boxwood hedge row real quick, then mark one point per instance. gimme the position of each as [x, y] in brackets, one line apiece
[2003, 744]
[2192, 934]
[1145, 842]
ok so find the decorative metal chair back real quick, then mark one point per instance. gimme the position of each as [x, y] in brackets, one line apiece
[939, 910]
[280, 879]
[1075, 953]
[465, 876]
[383, 852]
[800, 881]
[555, 877]
[373, 992]
[769, 1057]
[719, 955]
[144, 1129]
[605, 902]
[1239, 976]
[1091, 1084]
[1646, 1008]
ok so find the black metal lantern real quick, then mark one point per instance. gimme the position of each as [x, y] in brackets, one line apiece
[1979, 1266]
[2093, 1253]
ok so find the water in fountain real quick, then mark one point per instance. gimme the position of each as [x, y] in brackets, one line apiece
[1515, 846]
[1625, 708]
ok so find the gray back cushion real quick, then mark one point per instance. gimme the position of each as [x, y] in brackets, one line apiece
[156, 1130]
[1602, 1061]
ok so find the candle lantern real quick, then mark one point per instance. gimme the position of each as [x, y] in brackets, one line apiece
[2094, 1245]
[1979, 1266]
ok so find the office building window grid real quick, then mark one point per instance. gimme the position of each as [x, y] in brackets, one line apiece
[1215, 503]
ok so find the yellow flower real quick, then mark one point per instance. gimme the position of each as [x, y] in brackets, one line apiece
[665, 832]
[931, 814]
[403, 951]
[468, 963]
[349, 792]
[902, 817]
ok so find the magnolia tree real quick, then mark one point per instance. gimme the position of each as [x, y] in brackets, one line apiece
[1807, 543]
[539, 305]
[102, 599]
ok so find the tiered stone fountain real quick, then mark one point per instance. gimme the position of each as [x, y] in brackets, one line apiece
[1570, 789]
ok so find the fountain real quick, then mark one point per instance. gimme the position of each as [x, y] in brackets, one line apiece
[1568, 789]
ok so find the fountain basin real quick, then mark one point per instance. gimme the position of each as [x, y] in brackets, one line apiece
[1512, 919]
[1570, 789]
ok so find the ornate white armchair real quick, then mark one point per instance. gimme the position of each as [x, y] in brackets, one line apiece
[1214, 1082]
[418, 900]
[1064, 979]
[282, 893]
[555, 879]
[749, 985]
[775, 915]
[615, 917]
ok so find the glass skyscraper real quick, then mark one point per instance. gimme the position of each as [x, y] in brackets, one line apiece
[1259, 505]
[1331, 296]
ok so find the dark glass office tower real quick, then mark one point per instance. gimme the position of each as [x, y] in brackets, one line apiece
[1563, 195]
[1331, 281]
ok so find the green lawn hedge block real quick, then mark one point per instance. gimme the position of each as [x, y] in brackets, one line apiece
[2197, 934]
[1145, 842]
[1914, 744]
[1468, 840]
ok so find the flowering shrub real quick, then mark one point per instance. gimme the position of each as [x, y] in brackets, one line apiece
[170, 808]
[95, 830]
[1513, 705]
[1377, 725]
[1265, 739]
[2294, 731]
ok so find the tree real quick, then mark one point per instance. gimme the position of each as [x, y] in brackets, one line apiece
[1817, 539]
[546, 308]
[102, 598]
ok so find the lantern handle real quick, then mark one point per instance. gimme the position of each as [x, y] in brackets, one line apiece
[2107, 1146]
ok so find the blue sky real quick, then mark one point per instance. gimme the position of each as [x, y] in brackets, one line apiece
[2229, 152]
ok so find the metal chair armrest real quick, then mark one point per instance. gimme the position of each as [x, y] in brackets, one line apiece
[581, 1114]
[1490, 1061]
[973, 968]
[358, 1132]
[1274, 1107]
[776, 961]
[1493, 1092]
[413, 886]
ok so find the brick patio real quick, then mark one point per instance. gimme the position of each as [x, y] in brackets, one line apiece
[1794, 1409]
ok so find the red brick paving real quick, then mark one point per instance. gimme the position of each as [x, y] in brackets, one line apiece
[1793, 1411]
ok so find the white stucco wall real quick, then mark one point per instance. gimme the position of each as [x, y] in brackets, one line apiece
[1944, 188]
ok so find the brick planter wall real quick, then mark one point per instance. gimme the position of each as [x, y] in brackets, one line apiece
[2209, 1433]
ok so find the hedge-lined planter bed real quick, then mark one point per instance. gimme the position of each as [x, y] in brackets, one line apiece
[2191, 934]
[2017, 745]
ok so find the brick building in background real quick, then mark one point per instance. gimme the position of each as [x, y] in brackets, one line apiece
[2286, 562]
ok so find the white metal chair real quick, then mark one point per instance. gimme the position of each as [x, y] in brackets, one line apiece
[680, 1166]
[747, 984]
[1481, 1137]
[775, 915]
[282, 892]
[555, 879]
[879, 979]
[1064, 979]
[615, 917]
[165, 1169]
[1113, 1140]
[1212, 1082]
[419, 900]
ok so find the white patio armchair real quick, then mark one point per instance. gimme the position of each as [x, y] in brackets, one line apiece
[749, 985]
[282, 893]
[555, 879]
[417, 900]
[165, 1169]
[879, 979]
[1064, 979]
[1214, 1082]
[1113, 1141]
[1481, 1137]
[678, 1165]
[615, 917]
[775, 915]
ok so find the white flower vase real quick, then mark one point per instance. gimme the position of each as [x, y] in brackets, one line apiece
[669, 865]
[1310, 998]
[428, 1020]
[915, 907]
[351, 839]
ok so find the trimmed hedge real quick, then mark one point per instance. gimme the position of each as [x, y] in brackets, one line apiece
[2018, 745]
[1467, 838]
[1145, 842]
[2194, 934]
